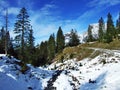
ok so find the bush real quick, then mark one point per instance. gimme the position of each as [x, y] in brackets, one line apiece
[103, 61]
[72, 55]
[24, 68]
[62, 58]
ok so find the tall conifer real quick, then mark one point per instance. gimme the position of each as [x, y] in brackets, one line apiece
[51, 47]
[60, 40]
[101, 29]
[110, 32]
[22, 27]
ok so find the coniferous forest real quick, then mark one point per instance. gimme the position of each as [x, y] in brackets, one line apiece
[23, 47]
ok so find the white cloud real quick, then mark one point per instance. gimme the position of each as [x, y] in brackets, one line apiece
[44, 23]
[105, 3]
[46, 20]
[26, 3]
[13, 10]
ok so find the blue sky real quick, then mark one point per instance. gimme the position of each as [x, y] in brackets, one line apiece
[47, 15]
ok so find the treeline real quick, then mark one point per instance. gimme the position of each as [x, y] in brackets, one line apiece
[47, 50]
[108, 34]
[3, 37]
[23, 48]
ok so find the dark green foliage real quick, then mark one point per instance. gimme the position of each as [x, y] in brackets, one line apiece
[90, 36]
[31, 39]
[24, 68]
[101, 30]
[72, 55]
[118, 27]
[22, 29]
[2, 40]
[110, 32]
[60, 40]
[5, 35]
[74, 39]
[42, 54]
[11, 50]
[51, 47]
[62, 58]
[30, 49]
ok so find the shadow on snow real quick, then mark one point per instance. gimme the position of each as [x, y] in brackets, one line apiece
[99, 82]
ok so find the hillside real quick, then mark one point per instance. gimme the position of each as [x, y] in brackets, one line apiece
[98, 70]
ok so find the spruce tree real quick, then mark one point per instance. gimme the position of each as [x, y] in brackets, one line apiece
[31, 39]
[118, 26]
[60, 40]
[110, 32]
[74, 39]
[11, 50]
[51, 47]
[5, 36]
[90, 36]
[21, 30]
[101, 29]
[43, 53]
[30, 49]
[2, 40]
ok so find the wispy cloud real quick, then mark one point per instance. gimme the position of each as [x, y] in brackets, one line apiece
[44, 22]
[100, 3]
[47, 18]
[25, 3]
[96, 7]
[13, 10]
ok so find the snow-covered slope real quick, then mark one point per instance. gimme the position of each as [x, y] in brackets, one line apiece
[11, 77]
[99, 73]
[103, 71]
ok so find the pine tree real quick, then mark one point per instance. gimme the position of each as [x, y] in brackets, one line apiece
[118, 26]
[74, 39]
[110, 33]
[2, 40]
[90, 36]
[6, 33]
[5, 36]
[60, 41]
[30, 49]
[51, 47]
[43, 53]
[21, 30]
[8, 40]
[101, 29]
[31, 39]
[11, 50]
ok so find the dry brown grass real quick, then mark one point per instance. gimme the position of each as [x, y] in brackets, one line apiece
[81, 51]
[78, 52]
[113, 45]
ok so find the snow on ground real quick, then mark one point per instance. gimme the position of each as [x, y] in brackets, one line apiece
[103, 69]
[99, 73]
[11, 77]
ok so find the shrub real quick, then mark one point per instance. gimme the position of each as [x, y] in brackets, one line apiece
[103, 61]
[72, 55]
[62, 58]
[24, 68]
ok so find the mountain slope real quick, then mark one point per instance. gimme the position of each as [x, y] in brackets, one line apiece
[98, 73]
[103, 70]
